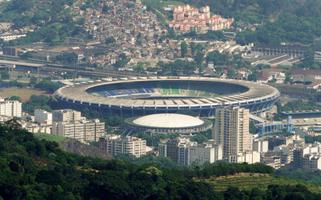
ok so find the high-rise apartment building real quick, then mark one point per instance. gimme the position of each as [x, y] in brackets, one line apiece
[70, 123]
[83, 130]
[118, 145]
[10, 108]
[232, 131]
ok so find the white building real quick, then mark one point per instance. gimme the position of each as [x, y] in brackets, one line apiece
[314, 148]
[232, 131]
[10, 108]
[312, 161]
[260, 146]
[185, 152]
[205, 153]
[249, 157]
[81, 130]
[118, 145]
[9, 37]
[36, 128]
[66, 115]
[43, 117]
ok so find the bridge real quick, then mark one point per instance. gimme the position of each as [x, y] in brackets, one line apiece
[274, 127]
[44, 67]
[257, 119]
[21, 65]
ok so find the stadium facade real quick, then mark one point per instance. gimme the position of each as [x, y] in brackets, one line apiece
[141, 95]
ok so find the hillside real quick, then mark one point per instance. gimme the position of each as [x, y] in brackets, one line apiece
[249, 181]
[38, 169]
[270, 22]
[47, 21]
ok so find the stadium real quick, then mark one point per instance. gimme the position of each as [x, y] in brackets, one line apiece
[141, 95]
[168, 123]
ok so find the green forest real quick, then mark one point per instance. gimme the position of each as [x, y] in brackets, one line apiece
[278, 21]
[38, 169]
[53, 20]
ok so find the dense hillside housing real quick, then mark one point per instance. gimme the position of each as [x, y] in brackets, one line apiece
[187, 18]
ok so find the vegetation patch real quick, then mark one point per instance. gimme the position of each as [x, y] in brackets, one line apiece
[49, 137]
[249, 181]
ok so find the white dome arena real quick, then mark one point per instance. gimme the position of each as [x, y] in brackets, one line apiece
[168, 120]
[168, 123]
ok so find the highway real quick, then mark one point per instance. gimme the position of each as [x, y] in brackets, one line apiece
[45, 67]
[84, 72]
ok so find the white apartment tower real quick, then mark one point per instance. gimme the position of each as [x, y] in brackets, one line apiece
[70, 123]
[232, 131]
[83, 130]
[10, 108]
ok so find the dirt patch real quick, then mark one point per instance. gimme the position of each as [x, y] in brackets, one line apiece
[23, 93]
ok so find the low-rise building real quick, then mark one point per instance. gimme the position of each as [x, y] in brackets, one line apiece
[312, 161]
[205, 153]
[185, 152]
[261, 146]
[43, 117]
[249, 157]
[66, 115]
[119, 145]
[272, 160]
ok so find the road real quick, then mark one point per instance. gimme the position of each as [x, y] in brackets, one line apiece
[45, 67]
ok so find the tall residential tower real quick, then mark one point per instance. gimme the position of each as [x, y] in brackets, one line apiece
[232, 131]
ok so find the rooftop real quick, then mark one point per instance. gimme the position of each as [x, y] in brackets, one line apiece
[168, 120]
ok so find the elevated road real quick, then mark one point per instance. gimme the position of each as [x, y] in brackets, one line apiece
[45, 67]
[21, 63]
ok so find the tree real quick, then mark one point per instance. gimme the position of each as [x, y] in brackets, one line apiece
[139, 67]
[253, 129]
[231, 73]
[67, 58]
[48, 85]
[36, 102]
[110, 40]
[122, 61]
[217, 58]
[233, 193]
[252, 76]
[15, 98]
[199, 58]
[184, 49]
[4, 75]
[105, 9]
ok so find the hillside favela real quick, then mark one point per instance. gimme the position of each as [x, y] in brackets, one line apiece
[160, 99]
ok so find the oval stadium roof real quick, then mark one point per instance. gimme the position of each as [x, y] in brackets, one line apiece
[168, 120]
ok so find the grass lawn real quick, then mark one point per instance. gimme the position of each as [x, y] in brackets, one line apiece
[248, 181]
[49, 137]
[23, 93]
